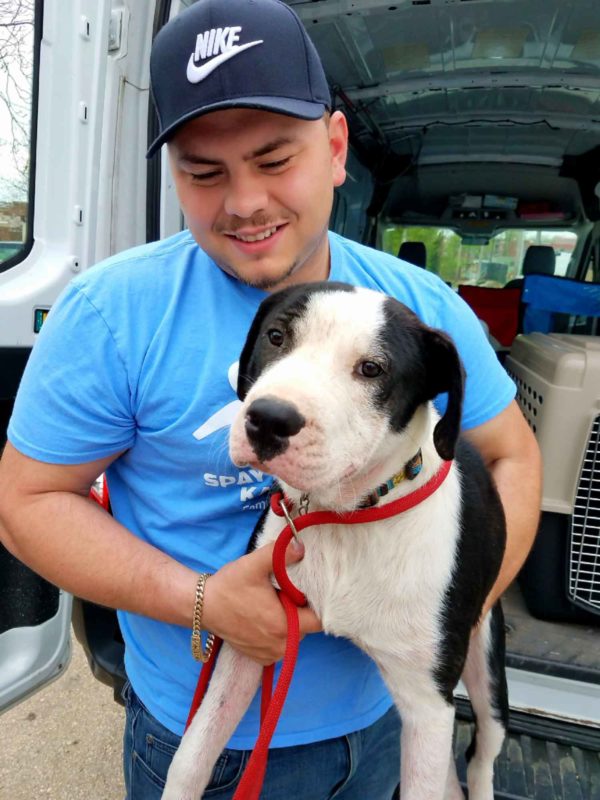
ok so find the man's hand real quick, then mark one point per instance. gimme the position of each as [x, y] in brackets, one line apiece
[241, 606]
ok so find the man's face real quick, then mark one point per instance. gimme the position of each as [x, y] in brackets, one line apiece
[256, 189]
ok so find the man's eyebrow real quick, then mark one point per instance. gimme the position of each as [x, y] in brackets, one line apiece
[269, 147]
[265, 149]
[192, 158]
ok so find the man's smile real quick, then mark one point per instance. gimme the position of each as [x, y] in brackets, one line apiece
[251, 243]
[254, 237]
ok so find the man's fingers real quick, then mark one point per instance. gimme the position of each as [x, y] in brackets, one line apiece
[309, 622]
[264, 554]
[295, 551]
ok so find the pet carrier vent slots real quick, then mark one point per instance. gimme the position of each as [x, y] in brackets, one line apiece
[558, 389]
[584, 546]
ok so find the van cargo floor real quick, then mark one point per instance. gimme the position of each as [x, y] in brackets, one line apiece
[530, 767]
[535, 769]
[555, 648]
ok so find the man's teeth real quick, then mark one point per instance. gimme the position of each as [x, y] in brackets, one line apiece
[258, 237]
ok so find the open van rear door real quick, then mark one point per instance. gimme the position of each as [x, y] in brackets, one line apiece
[34, 615]
[34, 632]
[73, 95]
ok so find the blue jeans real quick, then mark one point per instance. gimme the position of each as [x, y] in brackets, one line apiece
[362, 765]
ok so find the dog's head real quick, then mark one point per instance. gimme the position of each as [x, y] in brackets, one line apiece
[335, 381]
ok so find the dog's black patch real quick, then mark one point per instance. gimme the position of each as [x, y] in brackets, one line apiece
[496, 662]
[422, 363]
[258, 528]
[279, 310]
[479, 555]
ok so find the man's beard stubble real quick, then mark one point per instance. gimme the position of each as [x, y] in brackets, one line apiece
[265, 283]
[258, 221]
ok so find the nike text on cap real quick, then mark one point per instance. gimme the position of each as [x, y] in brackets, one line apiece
[234, 54]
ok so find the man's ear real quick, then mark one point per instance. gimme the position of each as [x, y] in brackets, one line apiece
[338, 145]
[445, 374]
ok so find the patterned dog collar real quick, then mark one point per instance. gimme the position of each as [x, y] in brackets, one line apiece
[408, 473]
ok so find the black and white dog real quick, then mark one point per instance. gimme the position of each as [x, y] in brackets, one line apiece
[337, 384]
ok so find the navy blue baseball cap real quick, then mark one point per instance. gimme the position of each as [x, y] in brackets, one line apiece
[234, 54]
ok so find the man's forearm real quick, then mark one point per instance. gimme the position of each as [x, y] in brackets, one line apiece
[74, 543]
[512, 455]
[519, 485]
[47, 521]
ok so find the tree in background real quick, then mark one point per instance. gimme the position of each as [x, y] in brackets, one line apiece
[443, 247]
[16, 75]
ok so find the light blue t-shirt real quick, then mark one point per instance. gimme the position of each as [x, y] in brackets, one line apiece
[137, 356]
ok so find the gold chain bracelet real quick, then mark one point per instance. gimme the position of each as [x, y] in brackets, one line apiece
[198, 652]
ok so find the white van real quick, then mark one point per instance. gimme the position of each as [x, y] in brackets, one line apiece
[475, 133]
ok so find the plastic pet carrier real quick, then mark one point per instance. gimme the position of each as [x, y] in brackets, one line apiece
[558, 390]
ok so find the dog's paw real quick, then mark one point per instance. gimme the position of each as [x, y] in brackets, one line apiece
[173, 794]
[183, 781]
[175, 790]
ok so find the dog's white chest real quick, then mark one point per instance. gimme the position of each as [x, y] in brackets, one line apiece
[380, 584]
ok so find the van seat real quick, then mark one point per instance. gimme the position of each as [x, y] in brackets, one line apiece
[540, 259]
[499, 308]
[413, 252]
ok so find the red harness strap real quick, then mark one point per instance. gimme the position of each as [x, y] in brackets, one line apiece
[291, 598]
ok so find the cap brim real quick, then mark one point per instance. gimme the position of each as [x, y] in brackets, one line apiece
[279, 105]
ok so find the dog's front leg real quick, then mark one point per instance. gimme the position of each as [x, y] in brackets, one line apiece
[426, 748]
[233, 685]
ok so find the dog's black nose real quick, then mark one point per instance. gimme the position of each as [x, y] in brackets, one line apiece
[269, 424]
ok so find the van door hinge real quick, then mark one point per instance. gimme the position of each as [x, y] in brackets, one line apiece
[115, 29]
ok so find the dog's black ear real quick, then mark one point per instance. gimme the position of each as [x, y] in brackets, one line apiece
[250, 366]
[445, 374]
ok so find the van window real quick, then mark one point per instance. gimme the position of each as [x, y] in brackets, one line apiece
[493, 264]
[17, 20]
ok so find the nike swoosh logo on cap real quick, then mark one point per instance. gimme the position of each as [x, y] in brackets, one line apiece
[196, 74]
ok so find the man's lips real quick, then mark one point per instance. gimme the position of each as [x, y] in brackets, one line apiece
[260, 243]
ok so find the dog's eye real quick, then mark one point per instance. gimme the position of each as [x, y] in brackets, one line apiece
[275, 337]
[369, 369]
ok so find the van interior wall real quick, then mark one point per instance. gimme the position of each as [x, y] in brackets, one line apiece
[352, 199]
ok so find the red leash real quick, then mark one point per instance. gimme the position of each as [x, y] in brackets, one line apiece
[291, 598]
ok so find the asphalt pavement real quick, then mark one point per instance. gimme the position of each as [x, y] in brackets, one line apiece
[64, 743]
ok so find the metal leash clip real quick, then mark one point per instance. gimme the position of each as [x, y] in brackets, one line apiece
[289, 520]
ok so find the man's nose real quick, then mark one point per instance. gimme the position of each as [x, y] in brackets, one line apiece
[246, 195]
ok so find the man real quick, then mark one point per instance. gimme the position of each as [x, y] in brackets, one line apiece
[133, 375]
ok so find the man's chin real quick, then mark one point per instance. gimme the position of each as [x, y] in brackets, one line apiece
[260, 278]
[266, 272]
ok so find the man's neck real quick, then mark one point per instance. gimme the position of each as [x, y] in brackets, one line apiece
[315, 268]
